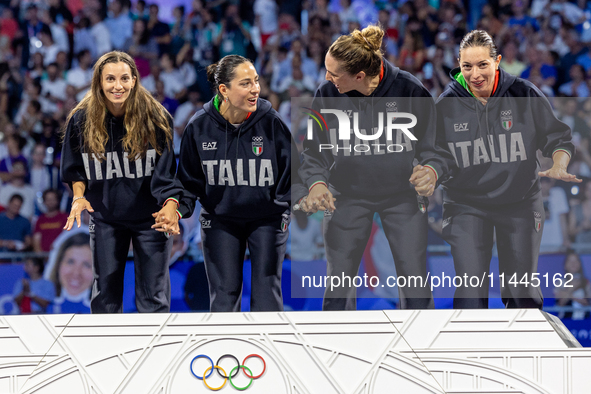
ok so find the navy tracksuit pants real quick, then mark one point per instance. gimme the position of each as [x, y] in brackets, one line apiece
[224, 243]
[470, 230]
[109, 242]
[347, 230]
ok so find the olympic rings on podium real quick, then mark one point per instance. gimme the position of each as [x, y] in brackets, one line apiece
[233, 373]
[218, 368]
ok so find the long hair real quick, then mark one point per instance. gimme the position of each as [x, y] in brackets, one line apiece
[76, 240]
[144, 116]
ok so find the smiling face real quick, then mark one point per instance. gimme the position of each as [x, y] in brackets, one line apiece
[479, 69]
[75, 270]
[116, 84]
[243, 90]
[343, 81]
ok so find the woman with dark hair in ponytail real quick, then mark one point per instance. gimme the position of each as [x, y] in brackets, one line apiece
[236, 158]
[494, 123]
[117, 157]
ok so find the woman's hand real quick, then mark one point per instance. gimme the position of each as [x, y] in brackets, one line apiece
[424, 180]
[559, 172]
[77, 207]
[320, 198]
[167, 219]
[306, 206]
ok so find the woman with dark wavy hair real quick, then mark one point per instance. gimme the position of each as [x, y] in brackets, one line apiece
[117, 158]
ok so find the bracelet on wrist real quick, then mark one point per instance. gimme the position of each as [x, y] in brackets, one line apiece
[77, 198]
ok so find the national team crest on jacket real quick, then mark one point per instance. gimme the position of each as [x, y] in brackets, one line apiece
[506, 120]
[257, 145]
[537, 221]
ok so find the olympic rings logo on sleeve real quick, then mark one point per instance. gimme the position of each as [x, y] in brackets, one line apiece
[233, 373]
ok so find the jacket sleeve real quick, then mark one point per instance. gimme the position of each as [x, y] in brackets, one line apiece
[431, 148]
[552, 134]
[72, 167]
[164, 184]
[190, 172]
[288, 164]
[316, 164]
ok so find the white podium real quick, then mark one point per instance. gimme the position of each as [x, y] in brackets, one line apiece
[363, 352]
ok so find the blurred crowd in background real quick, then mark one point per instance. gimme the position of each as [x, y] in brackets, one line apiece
[48, 48]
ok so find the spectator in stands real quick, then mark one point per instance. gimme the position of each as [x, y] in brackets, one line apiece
[569, 115]
[50, 224]
[412, 53]
[71, 274]
[83, 39]
[140, 11]
[576, 50]
[15, 230]
[33, 90]
[48, 47]
[542, 74]
[37, 70]
[6, 129]
[490, 22]
[183, 113]
[149, 82]
[186, 66]
[58, 31]
[18, 185]
[33, 294]
[266, 12]
[174, 86]
[8, 24]
[14, 145]
[100, 33]
[142, 47]
[576, 87]
[159, 30]
[31, 124]
[509, 62]
[119, 24]
[520, 17]
[32, 25]
[167, 102]
[304, 82]
[54, 87]
[80, 76]
[50, 139]
[233, 34]
[59, 13]
[177, 29]
[202, 33]
[576, 289]
[580, 219]
[42, 176]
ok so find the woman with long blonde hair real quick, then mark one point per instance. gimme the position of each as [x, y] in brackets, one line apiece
[118, 160]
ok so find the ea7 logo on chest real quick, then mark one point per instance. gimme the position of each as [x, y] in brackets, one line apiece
[210, 145]
[460, 127]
